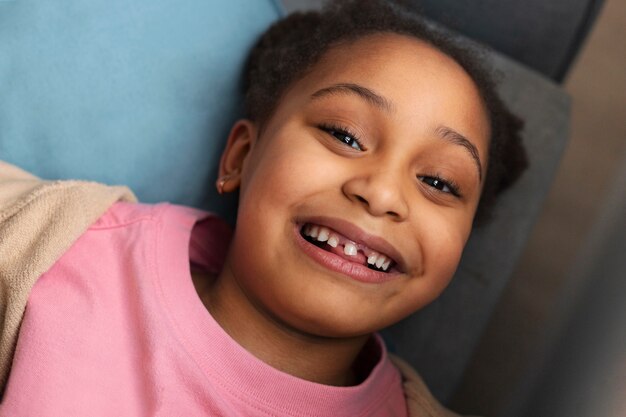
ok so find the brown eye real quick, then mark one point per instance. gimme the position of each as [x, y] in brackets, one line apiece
[440, 185]
[344, 136]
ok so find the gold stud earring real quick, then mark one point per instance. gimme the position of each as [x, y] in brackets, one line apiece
[221, 181]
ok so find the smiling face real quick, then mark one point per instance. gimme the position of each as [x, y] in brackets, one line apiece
[379, 150]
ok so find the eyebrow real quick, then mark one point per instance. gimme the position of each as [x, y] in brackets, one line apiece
[456, 138]
[348, 88]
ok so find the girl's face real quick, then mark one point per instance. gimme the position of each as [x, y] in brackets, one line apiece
[383, 144]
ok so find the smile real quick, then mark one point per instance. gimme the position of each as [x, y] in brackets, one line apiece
[334, 242]
[342, 247]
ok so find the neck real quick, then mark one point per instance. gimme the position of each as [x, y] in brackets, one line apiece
[325, 360]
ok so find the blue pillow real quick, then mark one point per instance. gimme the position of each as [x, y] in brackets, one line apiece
[139, 92]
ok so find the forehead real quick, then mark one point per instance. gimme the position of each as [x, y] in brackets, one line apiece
[421, 82]
[378, 57]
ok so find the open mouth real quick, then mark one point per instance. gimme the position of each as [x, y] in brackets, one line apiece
[331, 241]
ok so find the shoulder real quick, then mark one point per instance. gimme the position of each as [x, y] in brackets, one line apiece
[124, 213]
[163, 229]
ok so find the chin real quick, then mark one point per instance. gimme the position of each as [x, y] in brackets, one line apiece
[334, 320]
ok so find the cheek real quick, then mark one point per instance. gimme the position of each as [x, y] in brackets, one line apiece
[445, 242]
[442, 245]
[445, 260]
[278, 169]
[289, 171]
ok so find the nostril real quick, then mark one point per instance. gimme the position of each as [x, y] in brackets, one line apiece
[361, 199]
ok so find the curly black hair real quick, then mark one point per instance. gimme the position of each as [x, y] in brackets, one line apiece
[293, 45]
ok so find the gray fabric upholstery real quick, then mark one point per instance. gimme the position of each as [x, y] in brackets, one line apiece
[545, 35]
[440, 339]
[588, 329]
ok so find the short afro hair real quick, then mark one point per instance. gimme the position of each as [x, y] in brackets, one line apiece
[292, 46]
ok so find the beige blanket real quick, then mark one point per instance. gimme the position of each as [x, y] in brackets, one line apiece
[40, 220]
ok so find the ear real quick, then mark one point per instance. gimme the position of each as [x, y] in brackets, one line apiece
[240, 141]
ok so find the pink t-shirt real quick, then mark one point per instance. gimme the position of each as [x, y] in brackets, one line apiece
[116, 328]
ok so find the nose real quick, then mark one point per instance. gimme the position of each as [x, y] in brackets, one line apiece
[379, 192]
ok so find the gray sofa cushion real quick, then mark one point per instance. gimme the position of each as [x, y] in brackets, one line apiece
[543, 34]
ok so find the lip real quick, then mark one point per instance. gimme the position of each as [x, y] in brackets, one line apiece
[356, 234]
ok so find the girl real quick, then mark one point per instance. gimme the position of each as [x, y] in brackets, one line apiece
[371, 145]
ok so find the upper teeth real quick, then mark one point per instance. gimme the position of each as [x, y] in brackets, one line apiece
[350, 249]
[323, 234]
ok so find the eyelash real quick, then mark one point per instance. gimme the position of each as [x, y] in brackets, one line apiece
[344, 131]
[437, 179]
